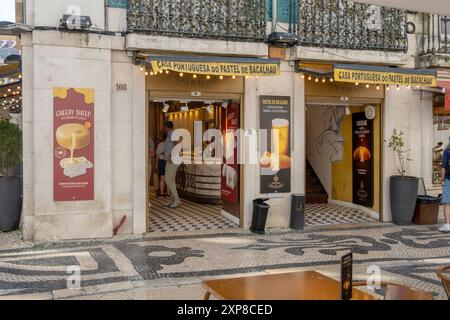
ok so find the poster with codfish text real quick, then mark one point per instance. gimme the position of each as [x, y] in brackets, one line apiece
[73, 144]
[363, 155]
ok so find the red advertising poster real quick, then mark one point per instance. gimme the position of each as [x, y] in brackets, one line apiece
[445, 85]
[447, 99]
[230, 168]
[73, 144]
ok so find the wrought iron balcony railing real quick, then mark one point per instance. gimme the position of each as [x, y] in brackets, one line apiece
[240, 20]
[348, 25]
[436, 34]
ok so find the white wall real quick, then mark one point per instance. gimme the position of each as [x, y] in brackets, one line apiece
[287, 84]
[47, 13]
[54, 59]
[319, 156]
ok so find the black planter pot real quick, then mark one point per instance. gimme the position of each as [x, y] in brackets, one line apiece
[403, 192]
[10, 203]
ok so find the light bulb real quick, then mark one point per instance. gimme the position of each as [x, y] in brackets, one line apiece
[181, 74]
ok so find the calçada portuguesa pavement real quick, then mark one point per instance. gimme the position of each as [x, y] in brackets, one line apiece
[172, 265]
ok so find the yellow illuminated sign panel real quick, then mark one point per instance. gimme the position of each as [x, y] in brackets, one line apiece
[376, 77]
[218, 68]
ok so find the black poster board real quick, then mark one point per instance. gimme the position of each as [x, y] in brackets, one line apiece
[275, 154]
[363, 155]
[347, 276]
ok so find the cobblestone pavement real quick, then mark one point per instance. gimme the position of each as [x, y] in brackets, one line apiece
[172, 265]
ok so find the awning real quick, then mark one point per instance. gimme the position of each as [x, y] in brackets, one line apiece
[384, 75]
[221, 66]
[9, 70]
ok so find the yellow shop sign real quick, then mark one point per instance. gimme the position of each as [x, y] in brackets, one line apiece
[383, 75]
[217, 66]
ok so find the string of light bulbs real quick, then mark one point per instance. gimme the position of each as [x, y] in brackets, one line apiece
[194, 76]
[318, 79]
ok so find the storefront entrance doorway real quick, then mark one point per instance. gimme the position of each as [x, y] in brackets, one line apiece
[209, 190]
[343, 162]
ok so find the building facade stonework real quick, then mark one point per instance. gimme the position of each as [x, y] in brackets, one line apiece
[108, 59]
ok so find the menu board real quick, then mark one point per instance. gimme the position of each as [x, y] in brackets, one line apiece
[230, 166]
[73, 144]
[362, 160]
[275, 144]
[347, 276]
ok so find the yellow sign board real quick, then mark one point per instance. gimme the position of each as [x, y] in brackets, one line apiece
[377, 77]
[218, 68]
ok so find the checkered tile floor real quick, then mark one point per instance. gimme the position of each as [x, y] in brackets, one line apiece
[189, 217]
[330, 214]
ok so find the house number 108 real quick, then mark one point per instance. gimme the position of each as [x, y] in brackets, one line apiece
[121, 87]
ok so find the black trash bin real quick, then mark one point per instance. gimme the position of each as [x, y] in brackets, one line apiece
[298, 202]
[427, 208]
[259, 217]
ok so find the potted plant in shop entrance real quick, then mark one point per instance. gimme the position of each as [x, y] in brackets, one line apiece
[10, 183]
[403, 188]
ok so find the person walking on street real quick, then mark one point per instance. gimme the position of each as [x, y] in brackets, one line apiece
[446, 188]
[171, 167]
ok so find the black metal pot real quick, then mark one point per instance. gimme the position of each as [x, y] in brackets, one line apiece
[403, 192]
[10, 203]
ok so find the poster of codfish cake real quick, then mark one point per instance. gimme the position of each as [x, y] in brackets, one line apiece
[363, 156]
[73, 144]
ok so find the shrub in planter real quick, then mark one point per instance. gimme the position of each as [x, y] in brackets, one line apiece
[10, 185]
[403, 188]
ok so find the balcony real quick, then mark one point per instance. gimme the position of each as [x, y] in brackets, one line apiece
[235, 20]
[435, 42]
[348, 25]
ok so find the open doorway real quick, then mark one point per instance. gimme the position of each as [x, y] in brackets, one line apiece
[343, 163]
[209, 190]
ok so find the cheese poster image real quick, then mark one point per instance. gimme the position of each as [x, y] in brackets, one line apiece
[73, 145]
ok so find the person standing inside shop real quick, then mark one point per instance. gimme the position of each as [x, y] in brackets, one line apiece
[171, 167]
[161, 164]
[151, 155]
[446, 188]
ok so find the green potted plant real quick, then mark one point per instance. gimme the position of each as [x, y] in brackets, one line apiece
[403, 188]
[10, 183]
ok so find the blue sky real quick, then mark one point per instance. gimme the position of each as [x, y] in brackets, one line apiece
[7, 10]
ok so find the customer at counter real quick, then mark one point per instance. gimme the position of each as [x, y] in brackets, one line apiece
[161, 164]
[171, 167]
